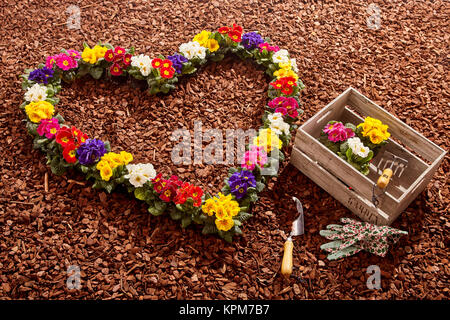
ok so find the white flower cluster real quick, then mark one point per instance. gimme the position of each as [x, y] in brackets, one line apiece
[193, 50]
[294, 65]
[281, 56]
[143, 62]
[277, 124]
[139, 174]
[36, 93]
[358, 147]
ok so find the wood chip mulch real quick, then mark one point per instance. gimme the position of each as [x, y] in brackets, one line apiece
[123, 252]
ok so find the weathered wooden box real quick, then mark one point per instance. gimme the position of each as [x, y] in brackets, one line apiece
[349, 186]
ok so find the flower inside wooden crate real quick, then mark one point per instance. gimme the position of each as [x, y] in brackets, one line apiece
[355, 144]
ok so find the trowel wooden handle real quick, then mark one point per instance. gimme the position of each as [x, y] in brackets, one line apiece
[286, 264]
[384, 179]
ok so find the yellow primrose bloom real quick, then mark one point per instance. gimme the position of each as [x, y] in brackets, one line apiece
[268, 140]
[99, 51]
[212, 45]
[285, 66]
[376, 136]
[126, 157]
[106, 172]
[209, 207]
[282, 73]
[88, 55]
[222, 212]
[225, 224]
[202, 38]
[38, 110]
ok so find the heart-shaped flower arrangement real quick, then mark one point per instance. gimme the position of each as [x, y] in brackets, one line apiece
[68, 147]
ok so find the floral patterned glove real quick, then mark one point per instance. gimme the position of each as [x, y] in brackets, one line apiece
[355, 236]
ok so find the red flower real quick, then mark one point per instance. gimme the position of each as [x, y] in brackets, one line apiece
[119, 58]
[287, 90]
[237, 28]
[196, 195]
[119, 50]
[64, 137]
[166, 63]
[224, 30]
[157, 178]
[167, 72]
[289, 81]
[277, 84]
[235, 36]
[115, 69]
[70, 153]
[168, 193]
[174, 180]
[127, 59]
[109, 55]
[156, 63]
[82, 138]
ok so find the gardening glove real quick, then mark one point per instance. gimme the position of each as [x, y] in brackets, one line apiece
[355, 236]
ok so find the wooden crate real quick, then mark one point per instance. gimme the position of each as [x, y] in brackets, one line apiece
[348, 185]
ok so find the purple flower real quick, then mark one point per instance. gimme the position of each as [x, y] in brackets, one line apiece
[239, 190]
[251, 40]
[41, 75]
[91, 151]
[177, 61]
[240, 181]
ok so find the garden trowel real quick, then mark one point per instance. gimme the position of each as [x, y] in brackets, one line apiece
[298, 228]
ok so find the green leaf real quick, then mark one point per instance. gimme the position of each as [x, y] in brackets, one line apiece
[96, 72]
[139, 193]
[209, 229]
[175, 214]
[243, 216]
[186, 221]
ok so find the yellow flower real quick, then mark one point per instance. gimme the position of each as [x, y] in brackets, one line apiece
[99, 51]
[126, 157]
[285, 66]
[281, 73]
[376, 136]
[222, 212]
[212, 45]
[101, 164]
[106, 172]
[202, 38]
[209, 207]
[268, 140]
[225, 224]
[38, 110]
[88, 55]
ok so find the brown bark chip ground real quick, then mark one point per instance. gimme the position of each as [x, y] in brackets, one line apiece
[125, 253]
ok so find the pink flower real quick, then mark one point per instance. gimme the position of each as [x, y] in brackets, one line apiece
[255, 156]
[267, 47]
[65, 62]
[338, 132]
[48, 127]
[293, 113]
[282, 110]
[49, 62]
[74, 54]
[277, 102]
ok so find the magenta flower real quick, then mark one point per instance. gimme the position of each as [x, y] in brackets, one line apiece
[338, 132]
[277, 102]
[281, 110]
[48, 127]
[255, 156]
[65, 62]
[74, 54]
[49, 62]
[267, 47]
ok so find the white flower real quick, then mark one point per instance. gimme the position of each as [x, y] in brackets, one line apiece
[193, 50]
[281, 56]
[143, 62]
[277, 123]
[358, 148]
[294, 65]
[36, 93]
[139, 174]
